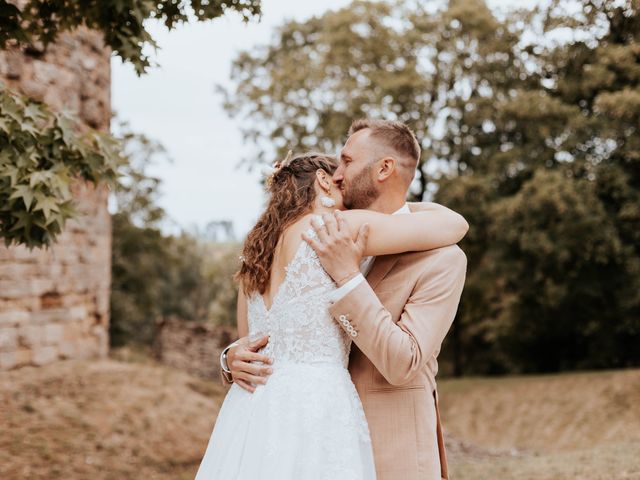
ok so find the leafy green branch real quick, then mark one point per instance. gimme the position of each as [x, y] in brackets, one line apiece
[120, 21]
[41, 153]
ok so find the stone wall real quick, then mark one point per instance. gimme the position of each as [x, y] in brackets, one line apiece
[55, 304]
[191, 346]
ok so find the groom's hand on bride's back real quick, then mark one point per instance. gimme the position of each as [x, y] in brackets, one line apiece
[241, 358]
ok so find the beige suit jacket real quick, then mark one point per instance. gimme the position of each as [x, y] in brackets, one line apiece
[401, 316]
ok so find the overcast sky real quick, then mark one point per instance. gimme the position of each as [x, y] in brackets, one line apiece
[176, 104]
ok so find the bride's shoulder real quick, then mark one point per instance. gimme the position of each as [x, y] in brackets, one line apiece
[292, 233]
[302, 224]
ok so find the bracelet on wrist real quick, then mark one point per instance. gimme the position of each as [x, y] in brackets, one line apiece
[223, 358]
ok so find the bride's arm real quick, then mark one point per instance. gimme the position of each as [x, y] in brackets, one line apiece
[432, 227]
[242, 353]
[241, 315]
[243, 331]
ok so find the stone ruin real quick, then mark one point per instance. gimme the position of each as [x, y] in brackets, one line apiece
[55, 304]
[191, 346]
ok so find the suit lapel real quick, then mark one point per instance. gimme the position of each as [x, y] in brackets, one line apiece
[380, 268]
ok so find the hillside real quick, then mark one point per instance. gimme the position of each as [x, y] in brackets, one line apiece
[546, 427]
[129, 418]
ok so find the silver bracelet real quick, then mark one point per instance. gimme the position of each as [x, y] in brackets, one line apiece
[223, 358]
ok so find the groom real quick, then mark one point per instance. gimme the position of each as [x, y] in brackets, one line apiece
[400, 312]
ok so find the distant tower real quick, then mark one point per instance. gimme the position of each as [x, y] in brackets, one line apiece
[55, 304]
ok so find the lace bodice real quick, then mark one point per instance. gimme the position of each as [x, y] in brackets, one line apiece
[299, 324]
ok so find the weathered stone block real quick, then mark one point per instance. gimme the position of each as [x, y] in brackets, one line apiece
[67, 349]
[30, 336]
[13, 317]
[15, 358]
[71, 332]
[78, 313]
[8, 339]
[51, 315]
[15, 288]
[44, 355]
[53, 333]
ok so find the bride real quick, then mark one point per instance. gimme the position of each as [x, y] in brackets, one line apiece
[306, 421]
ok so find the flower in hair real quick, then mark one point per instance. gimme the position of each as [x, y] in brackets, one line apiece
[287, 159]
[270, 172]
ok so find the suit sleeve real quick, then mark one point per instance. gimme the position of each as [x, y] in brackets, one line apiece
[400, 350]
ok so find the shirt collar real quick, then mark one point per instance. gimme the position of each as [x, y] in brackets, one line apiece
[403, 209]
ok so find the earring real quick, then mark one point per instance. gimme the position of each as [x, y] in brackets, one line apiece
[327, 201]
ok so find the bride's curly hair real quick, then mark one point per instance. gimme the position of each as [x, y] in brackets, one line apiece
[291, 196]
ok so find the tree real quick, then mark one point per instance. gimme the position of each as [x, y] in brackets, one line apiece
[40, 154]
[40, 151]
[439, 71]
[555, 293]
[153, 274]
[533, 140]
[120, 21]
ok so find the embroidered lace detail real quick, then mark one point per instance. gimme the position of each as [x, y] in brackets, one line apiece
[307, 421]
[301, 329]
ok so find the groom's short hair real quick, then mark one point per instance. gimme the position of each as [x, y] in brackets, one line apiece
[396, 135]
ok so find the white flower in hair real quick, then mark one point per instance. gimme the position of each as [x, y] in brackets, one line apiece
[268, 170]
[287, 159]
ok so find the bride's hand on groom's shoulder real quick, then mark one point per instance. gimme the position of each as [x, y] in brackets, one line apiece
[339, 253]
[241, 360]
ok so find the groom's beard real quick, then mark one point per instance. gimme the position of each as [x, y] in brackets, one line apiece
[361, 191]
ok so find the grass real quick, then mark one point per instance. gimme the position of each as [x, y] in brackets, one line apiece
[604, 462]
[127, 417]
[106, 419]
[545, 427]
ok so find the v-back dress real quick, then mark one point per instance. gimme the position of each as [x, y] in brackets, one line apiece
[307, 421]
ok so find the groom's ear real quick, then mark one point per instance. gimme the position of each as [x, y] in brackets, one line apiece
[386, 167]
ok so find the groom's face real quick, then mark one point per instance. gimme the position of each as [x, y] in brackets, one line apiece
[355, 173]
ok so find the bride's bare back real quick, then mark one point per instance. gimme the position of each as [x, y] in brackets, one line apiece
[286, 249]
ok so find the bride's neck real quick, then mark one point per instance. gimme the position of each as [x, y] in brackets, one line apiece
[321, 210]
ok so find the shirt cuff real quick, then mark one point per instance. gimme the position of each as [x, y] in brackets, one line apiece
[342, 291]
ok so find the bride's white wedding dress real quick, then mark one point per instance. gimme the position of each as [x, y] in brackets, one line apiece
[307, 422]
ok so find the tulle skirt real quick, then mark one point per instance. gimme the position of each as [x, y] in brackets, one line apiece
[306, 423]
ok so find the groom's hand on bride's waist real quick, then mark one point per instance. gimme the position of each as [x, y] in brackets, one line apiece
[241, 358]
